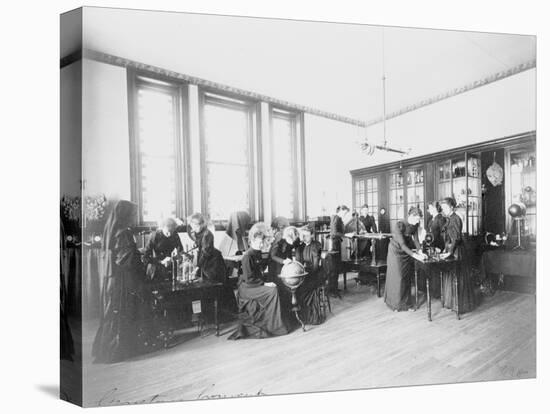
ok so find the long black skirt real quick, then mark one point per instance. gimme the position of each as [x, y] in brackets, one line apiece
[125, 310]
[309, 298]
[397, 293]
[467, 299]
[260, 311]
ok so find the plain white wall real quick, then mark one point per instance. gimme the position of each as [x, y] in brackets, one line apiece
[496, 110]
[105, 136]
[70, 129]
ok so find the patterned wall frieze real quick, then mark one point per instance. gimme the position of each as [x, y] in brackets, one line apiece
[128, 63]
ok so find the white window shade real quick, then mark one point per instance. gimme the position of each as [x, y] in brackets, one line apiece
[157, 154]
[227, 159]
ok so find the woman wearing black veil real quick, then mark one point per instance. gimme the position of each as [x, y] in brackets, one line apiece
[123, 293]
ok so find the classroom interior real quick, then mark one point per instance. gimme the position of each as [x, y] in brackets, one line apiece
[285, 121]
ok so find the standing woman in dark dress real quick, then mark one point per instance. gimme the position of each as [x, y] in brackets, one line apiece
[454, 246]
[210, 263]
[308, 253]
[123, 293]
[334, 257]
[436, 224]
[397, 294]
[159, 249]
[259, 300]
[370, 227]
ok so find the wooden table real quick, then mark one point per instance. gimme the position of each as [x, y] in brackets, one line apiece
[175, 295]
[357, 264]
[430, 267]
[379, 267]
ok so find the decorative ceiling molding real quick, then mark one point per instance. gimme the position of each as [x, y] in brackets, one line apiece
[128, 63]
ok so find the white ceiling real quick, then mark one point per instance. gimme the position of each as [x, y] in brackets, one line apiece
[333, 67]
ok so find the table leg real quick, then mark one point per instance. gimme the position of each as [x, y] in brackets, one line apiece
[299, 320]
[345, 281]
[429, 298]
[441, 288]
[415, 289]
[216, 316]
[456, 294]
[378, 281]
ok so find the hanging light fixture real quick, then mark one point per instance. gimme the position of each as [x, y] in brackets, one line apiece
[366, 146]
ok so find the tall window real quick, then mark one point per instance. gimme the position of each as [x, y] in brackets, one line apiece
[228, 169]
[286, 161]
[157, 183]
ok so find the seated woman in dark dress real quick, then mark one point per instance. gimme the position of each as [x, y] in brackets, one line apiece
[210, 263]
[258, 300]
[281, 252]
[400, 260]
[454, 246]
[308, 253]
[162, 244]
[123, 294]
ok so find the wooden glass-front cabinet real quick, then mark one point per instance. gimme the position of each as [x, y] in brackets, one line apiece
[460, 178]
[455, 173]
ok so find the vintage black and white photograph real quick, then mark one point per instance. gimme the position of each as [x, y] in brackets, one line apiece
[255, 206]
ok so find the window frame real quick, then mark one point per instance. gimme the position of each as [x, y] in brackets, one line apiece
[179, 91]
[298, 160]
[232, 101]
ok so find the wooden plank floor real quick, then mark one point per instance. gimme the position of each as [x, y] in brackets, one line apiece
[362, 345]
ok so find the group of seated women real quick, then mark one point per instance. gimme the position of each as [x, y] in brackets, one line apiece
[446, 227]
[129, 275]
[263, 299]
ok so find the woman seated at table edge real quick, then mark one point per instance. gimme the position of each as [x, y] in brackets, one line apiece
[255, 297]
[308, 253]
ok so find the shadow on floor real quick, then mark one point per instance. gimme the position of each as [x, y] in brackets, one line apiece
[49, 389]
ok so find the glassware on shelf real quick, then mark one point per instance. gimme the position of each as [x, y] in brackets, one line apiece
[459, 169]
[473, 167]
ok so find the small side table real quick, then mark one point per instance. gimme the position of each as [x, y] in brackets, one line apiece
[379, 267]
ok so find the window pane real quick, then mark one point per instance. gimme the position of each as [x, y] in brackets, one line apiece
[226, 134]
[227, 160]
[156, 131]
[224, 197]
[283, 166]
